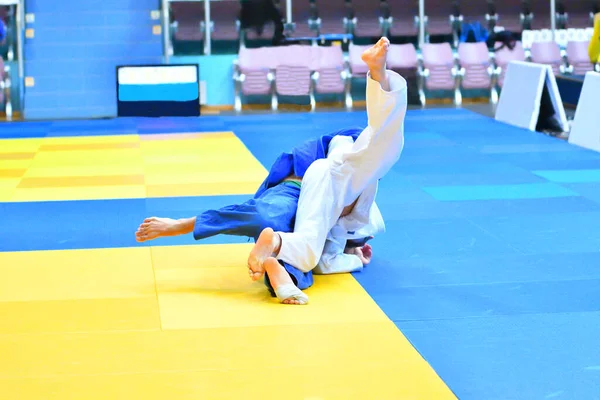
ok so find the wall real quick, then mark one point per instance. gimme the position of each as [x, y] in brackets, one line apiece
[216, 72]
[70, 62]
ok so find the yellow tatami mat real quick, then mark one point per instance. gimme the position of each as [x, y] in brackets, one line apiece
[126, 166]
[185, 322]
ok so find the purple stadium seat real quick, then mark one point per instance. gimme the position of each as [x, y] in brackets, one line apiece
[475, 65]
[578, 14]
[509, 15]
[403, 13]
[438, 17]
[331, 74]
[331, 16]
[366, 14]
[358, 67]
[253, 72]
[188, 20]
[301, 16]
[578, 58]
[504, 56]
[474, 11]
[403, 59]
[476, 70]
[293, 71]
[438, 71]
[225, 19]
[547, 53]
[541, 14]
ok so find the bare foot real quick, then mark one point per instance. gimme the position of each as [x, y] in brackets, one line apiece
[265, 246]
[154, 227]
[282, 283]
[375, 58]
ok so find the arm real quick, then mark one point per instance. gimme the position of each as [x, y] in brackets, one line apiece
[335, 261]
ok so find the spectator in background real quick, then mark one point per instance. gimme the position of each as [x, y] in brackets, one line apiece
[257, 13]
[594, 49]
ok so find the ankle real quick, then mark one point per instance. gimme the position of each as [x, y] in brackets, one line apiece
[378, 74]
[185, 225]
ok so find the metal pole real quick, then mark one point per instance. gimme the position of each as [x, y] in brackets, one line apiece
[166, 30]
[20, 14]
[288, 11]
[207, 38]
[421, 23]
[553, 18]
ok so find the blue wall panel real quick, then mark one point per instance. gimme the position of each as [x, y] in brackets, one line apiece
[217, 72]
[76, 48]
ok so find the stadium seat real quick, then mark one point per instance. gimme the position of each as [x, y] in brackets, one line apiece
[253, 73]
[509, 15]
[403, 14]
[578, 57]
[293, 71]
[503, 56]
[332, 74]
[368, 18]
[304, 17]
[187, 21]
[476, 71]
[333, 16]
[548, 53]
[224, 16]
[438, 70]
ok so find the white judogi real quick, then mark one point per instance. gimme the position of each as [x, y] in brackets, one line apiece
[351, 169]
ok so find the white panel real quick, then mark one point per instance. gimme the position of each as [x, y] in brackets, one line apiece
[586, 126]
[519, 103]
[142, 75]
[557, 102]
[202, 87]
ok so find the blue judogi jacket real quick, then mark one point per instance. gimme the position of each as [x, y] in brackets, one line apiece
[300, 158]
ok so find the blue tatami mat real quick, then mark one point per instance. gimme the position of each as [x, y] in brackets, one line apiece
[490, 263]
[571, 176]
[494, 192]
[524, 356]
[86, 224]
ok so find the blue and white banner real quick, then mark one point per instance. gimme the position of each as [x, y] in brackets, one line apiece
[162, 90]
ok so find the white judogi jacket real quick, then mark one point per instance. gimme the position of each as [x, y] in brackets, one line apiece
[350, 171]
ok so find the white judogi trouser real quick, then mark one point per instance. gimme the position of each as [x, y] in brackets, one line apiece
[333, 183]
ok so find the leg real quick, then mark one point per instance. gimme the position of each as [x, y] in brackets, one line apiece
[276, 207]
[285, 283]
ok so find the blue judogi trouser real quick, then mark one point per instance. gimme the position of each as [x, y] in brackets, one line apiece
[275, 208]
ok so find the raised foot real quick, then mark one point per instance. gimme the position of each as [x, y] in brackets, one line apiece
[376, 55]
[285, 290]
[154, 227]
[264, 247]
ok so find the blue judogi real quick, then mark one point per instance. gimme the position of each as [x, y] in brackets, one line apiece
[274, 204]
